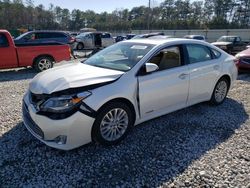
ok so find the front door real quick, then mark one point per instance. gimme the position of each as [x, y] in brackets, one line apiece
[165, 90]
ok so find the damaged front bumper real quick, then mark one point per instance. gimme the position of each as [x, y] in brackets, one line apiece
[65, 134]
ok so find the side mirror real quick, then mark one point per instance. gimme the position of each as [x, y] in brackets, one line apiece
[150, 67]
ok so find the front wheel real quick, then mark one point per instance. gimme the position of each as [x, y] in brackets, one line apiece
[112, 123]
[220, 92]
[43, 63]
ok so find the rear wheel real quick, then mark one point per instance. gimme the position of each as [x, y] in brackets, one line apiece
[112, 123]
[43, 63]
[80, 46]
[220, 92]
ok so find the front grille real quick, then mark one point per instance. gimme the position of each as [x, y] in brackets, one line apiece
[30, 123]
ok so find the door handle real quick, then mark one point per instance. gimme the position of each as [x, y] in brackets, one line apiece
[216, 67]
[183, 76]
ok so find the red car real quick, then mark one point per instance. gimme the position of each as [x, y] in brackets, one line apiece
[39, 56]
[243, 62]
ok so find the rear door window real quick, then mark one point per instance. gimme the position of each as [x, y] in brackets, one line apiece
[58, 35]
[198, 53]
[106, 35]
[3, 41]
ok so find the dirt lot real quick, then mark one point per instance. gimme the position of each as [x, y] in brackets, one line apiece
[201, 146]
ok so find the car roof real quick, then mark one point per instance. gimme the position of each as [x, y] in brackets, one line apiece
[97, 32]
[230, 36]
[160, 41]
[194, 35]
[3, 31]
[157, 41]
[47, 31]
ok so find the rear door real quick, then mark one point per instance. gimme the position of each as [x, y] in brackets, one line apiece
[89, 41]
[107, 39]
[58, 37]
[8, 57]
[204, 69]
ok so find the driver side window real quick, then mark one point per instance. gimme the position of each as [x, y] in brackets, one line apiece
[167, 58]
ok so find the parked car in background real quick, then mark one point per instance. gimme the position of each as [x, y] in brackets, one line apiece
[73, 34]
[243, 62]
[130, 36]
[120, 38]
[161, 37]
[196, 37]
[147, 35]
[123, 85]
[92, 40]
[39, 56]
[231, 44]
[34, 37]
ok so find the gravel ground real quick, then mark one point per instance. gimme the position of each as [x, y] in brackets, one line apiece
[201, 146]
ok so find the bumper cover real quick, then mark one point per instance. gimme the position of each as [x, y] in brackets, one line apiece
[77, 128]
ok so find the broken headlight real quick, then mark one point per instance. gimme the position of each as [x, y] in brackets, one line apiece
[63, 103]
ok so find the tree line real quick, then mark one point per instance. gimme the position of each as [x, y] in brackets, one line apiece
[170, 14]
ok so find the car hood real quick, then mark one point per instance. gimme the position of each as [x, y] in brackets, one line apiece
[221, 43]
[71, 75]
[244, 53]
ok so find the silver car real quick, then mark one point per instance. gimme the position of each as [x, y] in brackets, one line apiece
[92, 40]
[123, 85]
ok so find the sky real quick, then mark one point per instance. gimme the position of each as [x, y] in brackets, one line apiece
[96, 5]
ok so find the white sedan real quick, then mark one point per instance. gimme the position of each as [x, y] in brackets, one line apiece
[123, 85]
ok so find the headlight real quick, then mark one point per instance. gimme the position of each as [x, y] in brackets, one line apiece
[63, 103]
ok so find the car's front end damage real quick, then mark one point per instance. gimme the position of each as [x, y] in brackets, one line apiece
[55, 112]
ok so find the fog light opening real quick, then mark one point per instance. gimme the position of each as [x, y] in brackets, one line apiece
[62, 139]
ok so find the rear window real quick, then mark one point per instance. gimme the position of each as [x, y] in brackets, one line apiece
[3, 41]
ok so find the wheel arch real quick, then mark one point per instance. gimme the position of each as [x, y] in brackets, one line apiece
[122, 100]
[43, 55]
[227, 77]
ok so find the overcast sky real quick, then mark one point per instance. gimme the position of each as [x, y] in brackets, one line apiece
[96, 5]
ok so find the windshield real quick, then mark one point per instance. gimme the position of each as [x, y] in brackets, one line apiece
[226, 39]
[121, 56]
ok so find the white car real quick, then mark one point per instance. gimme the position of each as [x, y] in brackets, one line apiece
[123, 85]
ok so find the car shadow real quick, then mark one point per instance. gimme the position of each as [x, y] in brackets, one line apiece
[244, 77]
[17, 74]
[154, 153]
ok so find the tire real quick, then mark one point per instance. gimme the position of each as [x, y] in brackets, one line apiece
[110, 132]
[43, 63]
[220, 92]
[80, 46]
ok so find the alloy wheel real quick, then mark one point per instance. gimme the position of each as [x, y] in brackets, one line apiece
[114, 124]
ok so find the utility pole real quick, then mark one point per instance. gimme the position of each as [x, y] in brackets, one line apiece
[149, 13]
